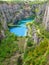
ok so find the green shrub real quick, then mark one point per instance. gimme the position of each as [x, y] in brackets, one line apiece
[8, 46]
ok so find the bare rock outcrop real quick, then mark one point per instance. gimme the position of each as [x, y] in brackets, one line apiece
[46, 18]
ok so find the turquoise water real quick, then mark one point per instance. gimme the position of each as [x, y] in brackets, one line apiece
[22, 29]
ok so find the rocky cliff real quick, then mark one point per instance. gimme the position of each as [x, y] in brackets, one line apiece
[12, 12]
[46, 18]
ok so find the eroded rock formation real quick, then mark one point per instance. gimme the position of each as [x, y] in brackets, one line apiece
[46, 18]
[16, 11]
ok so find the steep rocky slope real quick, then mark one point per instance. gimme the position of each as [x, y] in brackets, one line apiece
[46, 18]
[12, 12]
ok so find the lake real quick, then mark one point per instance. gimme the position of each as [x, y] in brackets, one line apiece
[21, 30]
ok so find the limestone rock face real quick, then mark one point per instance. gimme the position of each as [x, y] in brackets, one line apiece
[12, 12]
[34, 34]
[17, 11]
[40, 9]
[2, 35]
[3, 19]
[46, 18]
